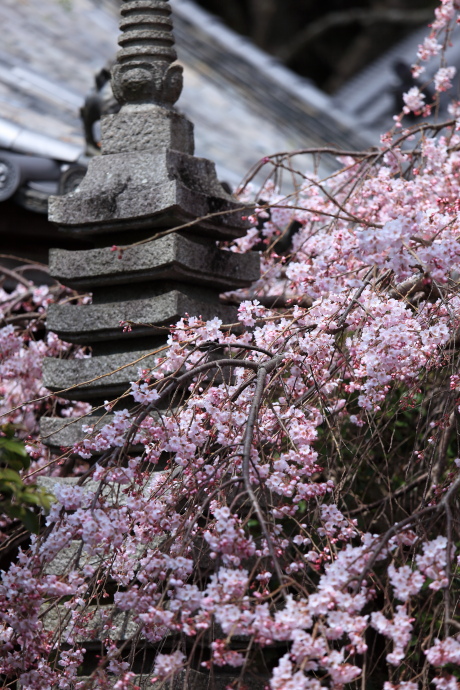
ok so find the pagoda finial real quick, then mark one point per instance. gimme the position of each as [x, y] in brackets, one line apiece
[145, 71]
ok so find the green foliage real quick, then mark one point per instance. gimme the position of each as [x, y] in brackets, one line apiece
[19, 500]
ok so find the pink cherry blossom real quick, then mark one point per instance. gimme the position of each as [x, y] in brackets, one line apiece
[443, 78]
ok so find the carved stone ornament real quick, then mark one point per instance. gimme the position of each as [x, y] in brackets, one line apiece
[144, 71]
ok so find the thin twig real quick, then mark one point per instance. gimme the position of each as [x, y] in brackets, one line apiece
[398, 526]
[247, 447]
[16, 276]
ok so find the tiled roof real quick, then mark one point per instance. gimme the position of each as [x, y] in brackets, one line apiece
[369, 98]
[243, 103]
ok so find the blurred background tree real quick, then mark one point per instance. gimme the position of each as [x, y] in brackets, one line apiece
[328, 41]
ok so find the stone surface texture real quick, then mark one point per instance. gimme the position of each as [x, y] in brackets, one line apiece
[132, 131]
[148, 188]
[96, 378]
[66, 432]
[173, 257]
[89, 323]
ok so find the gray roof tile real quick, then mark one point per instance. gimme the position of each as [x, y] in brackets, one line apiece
[244, 104]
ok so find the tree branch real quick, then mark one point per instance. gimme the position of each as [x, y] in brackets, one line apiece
[248, 439]
[398, 526]
[262, 12]
[366, 17]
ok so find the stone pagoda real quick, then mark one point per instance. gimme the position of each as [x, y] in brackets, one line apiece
[154, 214]
[148, 195]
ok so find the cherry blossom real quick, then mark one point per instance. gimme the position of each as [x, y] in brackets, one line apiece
[398, 629]
[444, 652]
[443, 78]
[414, 100]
